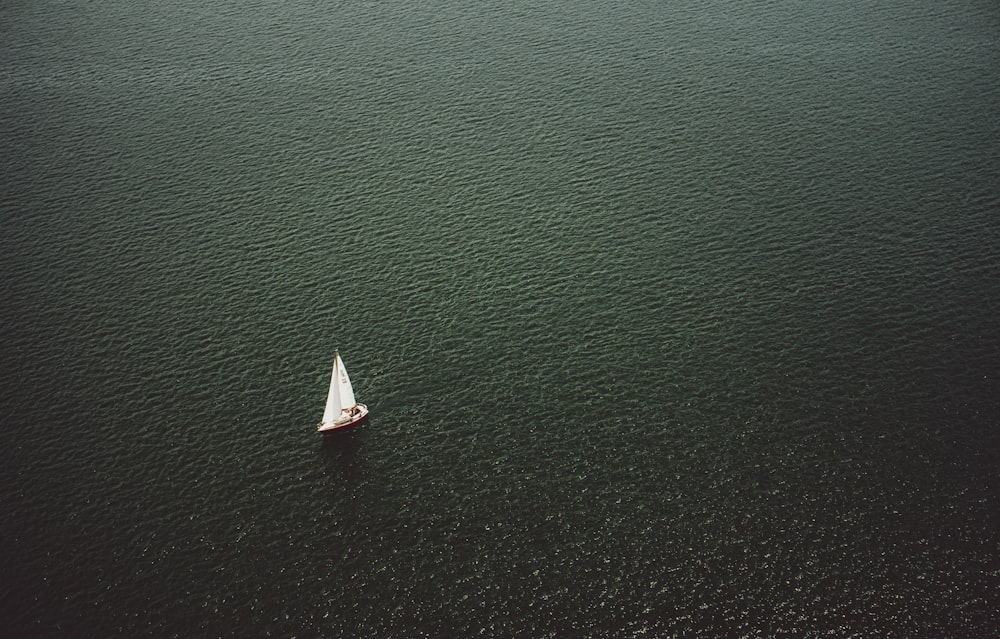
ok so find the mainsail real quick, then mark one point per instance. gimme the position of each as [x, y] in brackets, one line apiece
[346, 392]
[334, 400]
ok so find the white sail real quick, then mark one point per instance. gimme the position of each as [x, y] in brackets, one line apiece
[333, 405]
[346, 390]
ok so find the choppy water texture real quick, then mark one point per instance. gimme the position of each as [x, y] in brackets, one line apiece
[677, 319]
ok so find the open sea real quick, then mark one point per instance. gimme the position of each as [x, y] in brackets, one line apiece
[675, 319]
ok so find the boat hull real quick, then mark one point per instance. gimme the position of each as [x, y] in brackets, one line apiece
[336, 428]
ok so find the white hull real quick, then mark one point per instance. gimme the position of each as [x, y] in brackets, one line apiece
[346, 420]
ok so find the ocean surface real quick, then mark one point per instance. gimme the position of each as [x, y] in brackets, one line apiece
[675, 319]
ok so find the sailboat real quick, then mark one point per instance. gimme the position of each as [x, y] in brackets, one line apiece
[342, 411]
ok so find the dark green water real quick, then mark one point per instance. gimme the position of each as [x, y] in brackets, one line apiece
[674, 319]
